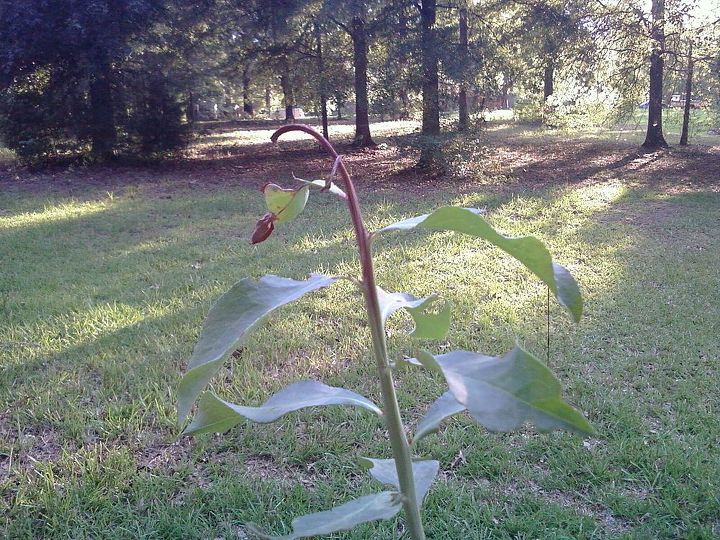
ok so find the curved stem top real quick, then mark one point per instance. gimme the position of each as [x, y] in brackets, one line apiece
[352, 198]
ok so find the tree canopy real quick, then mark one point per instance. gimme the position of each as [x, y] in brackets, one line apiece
[105, 78]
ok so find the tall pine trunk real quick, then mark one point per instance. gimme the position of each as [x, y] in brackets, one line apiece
[321, 81]
[430, 155]
[688, 99]
[654, 137]
[103, 134]
[247, 100]
[548, 80]
[288, 94]
[360, 62]
[463, 116]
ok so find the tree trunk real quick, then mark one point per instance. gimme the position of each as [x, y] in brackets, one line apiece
[505, 95]
[654, 137]
[102, 131]
[431, 99]
[548, 80]
[247, 101]
[288, 95]
[360, 61]
[268, 100]
[688, 99]
[463, 117]
[405, 101]
[321, 77]
[430, 155]
[191, 116]
[340, 103]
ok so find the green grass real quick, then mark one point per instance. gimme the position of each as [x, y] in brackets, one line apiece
[102, 296]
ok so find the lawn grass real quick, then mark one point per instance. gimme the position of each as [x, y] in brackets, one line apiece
[102, 295]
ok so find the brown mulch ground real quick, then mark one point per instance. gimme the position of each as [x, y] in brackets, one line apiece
[504, 163]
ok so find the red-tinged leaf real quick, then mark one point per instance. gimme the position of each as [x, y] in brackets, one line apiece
[263, 228]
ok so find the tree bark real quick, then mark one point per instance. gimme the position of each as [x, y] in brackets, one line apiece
[654, 137]
[288, 94]
[322, 83]
[191, 118]
[340, 103]
[688, 99]
[405, 104]
[103, 134]
[247, 100]
[431, 99]
[548, 80]
[430, 154]
[360, 62]
[463, 116]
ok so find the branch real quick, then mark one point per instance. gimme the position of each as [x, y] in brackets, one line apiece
[341, 25]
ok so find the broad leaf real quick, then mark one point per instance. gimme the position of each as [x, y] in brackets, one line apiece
[285, 203]
[527, 249]
[229, 322]
[445, 407]
[324, 185]
[216, 415]
[428, 325]
[504, 393]
[384, 471]
[341, 518]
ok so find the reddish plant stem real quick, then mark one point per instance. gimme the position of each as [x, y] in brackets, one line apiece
[391, 410]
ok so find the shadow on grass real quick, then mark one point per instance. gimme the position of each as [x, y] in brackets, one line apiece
[643, 364]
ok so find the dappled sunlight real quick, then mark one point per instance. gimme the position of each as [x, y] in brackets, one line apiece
[312, 244]
[262, 135]
[592, 198]
[83, 327]
[61, 212]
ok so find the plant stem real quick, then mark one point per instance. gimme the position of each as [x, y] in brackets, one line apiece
[393, 419]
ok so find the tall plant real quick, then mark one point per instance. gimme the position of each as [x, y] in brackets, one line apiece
[501, 394]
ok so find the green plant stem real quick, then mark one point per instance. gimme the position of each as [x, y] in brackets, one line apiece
[391, 409]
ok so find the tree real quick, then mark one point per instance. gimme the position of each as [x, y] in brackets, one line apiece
[356, 25]
[552, 39]
[463, 116]
[688, 98]
[654, 137]
[322, 85]
[429, 53]
[396, 68]
[71, 64]
[430, 157]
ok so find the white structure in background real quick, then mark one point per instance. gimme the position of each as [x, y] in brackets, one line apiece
[279, 114]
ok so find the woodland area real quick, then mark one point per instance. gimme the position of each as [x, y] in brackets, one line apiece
[129, 77]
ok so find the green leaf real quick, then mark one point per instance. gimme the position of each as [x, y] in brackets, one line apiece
[426, 360]
[230, 321]
[216, 415]
[527, 249]
[341, 518]
[385, 472]
[504, 393]
[428, 325]
[445, 407]
[285, 203]
[324, 185]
